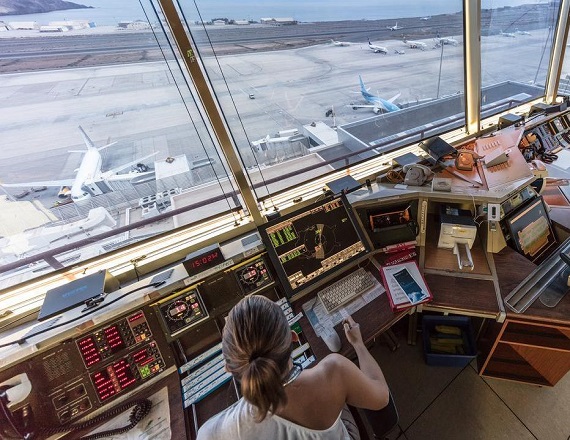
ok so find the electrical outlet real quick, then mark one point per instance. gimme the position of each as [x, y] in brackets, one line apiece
[493, 212]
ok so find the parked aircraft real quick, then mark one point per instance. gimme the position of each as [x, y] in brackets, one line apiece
[89, 172]
[377, 49]
[446, 40]
[508, 34]
[521, 32]
[340, 43]
[376, 103]
[415, 44]
[395, 27]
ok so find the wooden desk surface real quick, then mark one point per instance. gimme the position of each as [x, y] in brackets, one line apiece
[462, 295]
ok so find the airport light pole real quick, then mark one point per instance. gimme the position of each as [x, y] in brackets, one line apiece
[440, 64]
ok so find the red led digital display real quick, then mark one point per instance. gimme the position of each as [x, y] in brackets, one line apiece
[113, 379]
[114, 340]
[136, 316]
[89, 351]
[199, 263]
[95, 347]
[142, 357]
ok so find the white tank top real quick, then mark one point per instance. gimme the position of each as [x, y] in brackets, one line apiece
[236, 422]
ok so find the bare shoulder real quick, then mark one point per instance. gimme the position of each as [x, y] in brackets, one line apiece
[333, 362]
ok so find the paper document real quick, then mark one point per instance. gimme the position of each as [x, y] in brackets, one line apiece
[155, 426]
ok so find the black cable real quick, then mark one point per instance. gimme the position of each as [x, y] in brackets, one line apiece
[141, 409]
[185, 81]
[231, 97]
[23, 339]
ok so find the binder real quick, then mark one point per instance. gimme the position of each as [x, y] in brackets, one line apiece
[405, 286]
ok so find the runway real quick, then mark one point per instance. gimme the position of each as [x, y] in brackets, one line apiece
[146, 108]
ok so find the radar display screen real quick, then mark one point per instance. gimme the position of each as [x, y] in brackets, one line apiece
[309, 244]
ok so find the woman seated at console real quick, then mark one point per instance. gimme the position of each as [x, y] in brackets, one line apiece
[280, 400]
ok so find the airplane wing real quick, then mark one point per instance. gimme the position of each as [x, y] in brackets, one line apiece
[115, 170]
[393, 98]
[49, 183]
[361, 106]
[133, 177]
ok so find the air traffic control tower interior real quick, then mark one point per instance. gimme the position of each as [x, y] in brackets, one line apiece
[157, 170]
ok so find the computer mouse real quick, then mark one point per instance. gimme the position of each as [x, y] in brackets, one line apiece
[331, 338]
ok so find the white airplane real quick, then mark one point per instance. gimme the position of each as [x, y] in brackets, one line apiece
[341, 43]
[377, 49]
[395, 27]
[508, 34]
[415, 44]
[376, 103]
[447, 40]
[522, 32]
[89, 172]
[425, 18]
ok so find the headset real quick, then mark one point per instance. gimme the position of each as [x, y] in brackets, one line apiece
[416, 174]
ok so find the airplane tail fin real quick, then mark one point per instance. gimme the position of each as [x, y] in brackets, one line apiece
[90, 143]
[86, 138]
[362, 87]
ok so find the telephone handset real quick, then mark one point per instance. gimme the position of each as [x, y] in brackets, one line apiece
[18, 424]
[416, 174]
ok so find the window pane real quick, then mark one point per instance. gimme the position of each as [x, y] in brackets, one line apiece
[100, 134]
[516, 42]
[287, 76]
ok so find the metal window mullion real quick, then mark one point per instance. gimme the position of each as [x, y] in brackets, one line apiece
[472, 60]
[557, 54]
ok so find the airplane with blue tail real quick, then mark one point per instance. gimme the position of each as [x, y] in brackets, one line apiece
[377, 104]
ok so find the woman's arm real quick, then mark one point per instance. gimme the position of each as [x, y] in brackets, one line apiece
[365, 387]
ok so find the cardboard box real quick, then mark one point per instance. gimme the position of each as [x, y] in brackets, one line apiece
[449, 360]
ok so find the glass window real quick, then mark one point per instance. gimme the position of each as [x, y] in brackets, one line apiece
[311, 87]
[103, 144]
[516, 41]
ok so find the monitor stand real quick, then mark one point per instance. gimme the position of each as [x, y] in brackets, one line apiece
[93, 302]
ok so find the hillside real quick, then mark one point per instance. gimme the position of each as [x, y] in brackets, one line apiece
[22, 7]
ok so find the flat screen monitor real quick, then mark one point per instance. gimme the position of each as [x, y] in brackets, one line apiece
[530, 230]
[310, 244]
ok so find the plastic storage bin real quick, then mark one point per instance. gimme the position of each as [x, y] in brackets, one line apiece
[449, 360]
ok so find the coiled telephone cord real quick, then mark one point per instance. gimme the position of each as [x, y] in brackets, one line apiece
[141, 409]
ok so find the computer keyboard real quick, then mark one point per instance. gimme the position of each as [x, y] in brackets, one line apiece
[342, 291]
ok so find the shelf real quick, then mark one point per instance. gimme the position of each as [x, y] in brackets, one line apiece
[507, 363]
[445, 260]
[554, 338]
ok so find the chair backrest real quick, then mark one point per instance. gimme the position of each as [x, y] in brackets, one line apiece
[379, 423]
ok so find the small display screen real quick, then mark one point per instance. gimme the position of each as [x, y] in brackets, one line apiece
[101, 344]
[253, 276]
[89, 351]
[177, 308]
[113, 379]
[113, 339]
[199, 262]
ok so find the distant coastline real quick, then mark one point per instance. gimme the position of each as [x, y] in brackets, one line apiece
[25, 7]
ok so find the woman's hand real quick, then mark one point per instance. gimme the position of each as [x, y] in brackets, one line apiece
[352, 331]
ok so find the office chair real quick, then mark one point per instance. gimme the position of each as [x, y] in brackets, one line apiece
[376, 425]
